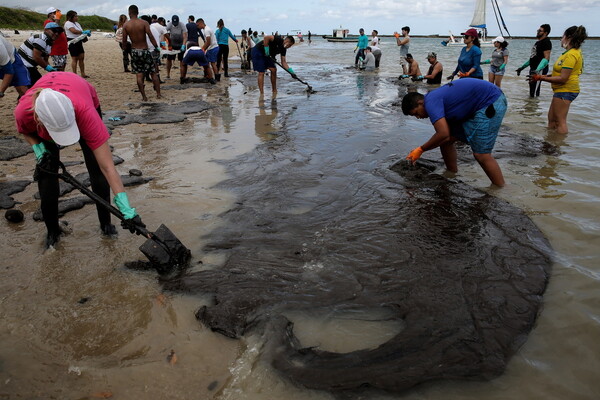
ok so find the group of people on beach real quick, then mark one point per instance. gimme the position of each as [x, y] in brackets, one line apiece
[471, 110]
[62, 108]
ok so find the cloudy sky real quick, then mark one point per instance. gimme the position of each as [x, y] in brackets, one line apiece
[522, 17]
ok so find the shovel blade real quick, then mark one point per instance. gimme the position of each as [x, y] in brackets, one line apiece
[165, 251]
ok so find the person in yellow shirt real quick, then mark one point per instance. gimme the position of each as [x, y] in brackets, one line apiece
[565, 78]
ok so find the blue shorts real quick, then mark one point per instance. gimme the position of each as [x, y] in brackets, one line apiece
[20, 72]
[570, 96]
[480, 132]
[496, 70]
[195, 56]
[212, 54]
[260, 62]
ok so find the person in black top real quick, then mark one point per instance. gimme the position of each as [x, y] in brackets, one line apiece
[263, 56]
[434, 75]
[538, 61]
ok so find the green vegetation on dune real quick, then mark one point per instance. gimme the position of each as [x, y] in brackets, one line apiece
[21, 18]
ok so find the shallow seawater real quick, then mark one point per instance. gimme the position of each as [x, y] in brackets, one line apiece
[75, 322]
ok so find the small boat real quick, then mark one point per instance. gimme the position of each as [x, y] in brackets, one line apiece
[340, 35]
[479, 23]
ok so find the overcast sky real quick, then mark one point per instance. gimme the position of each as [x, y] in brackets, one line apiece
[522, 17]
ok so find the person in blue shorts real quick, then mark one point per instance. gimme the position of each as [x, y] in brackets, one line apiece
[193, 55]
[12, 70]
[469, 110]
[271, 46]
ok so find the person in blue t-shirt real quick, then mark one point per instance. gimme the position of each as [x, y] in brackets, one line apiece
[223, 34]
[361, 45]
[469, 110]
[470, 57]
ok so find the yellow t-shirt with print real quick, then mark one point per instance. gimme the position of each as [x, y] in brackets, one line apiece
[573, 60]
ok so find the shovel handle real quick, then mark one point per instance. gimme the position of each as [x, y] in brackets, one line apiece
[65, 176]
[296, 77]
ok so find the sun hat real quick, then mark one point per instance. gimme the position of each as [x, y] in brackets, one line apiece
[470, 32]
[432, 54]
[498, 39]
[51, 10]
[55, 111]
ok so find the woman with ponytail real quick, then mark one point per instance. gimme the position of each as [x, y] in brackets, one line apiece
[565, 78]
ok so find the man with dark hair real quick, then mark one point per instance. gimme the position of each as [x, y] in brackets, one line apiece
[192, 32]
[263, 55]
[142, 62]
[361, 45]
[404, 44]
[469, 110]
[538, 61]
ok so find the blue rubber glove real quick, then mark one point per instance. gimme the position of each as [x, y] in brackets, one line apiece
[87, 32]
[163, 44]
[404, 76]
[50, 68]
[503, 66]
[267, 51]
[122, 202]
[39, 150]
[291, 71]
[486, 61]
[420, 78]
[183, 47]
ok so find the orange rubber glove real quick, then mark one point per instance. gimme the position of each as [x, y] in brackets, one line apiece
[415, 154]
[397, 35]
[535, 78]
[463, 74]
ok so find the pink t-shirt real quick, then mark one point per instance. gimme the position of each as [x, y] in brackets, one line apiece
[85, 101]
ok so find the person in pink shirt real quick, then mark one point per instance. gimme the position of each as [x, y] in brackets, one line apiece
[61, 109]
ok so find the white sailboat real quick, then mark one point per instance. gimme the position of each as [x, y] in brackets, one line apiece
[479, 23]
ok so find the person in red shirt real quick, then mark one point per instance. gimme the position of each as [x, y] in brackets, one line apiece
[59, 47]
[61, 109]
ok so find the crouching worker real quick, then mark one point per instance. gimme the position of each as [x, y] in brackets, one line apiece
[263, 55]
[469, 110]
[59, 110]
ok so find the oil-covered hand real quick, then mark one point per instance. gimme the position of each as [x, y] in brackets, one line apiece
[415, 154]
[519, 71]
[134, 225]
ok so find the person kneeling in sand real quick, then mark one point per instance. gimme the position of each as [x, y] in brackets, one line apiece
[195, 54]
[141, 58]
[368, 63]
[469, 110]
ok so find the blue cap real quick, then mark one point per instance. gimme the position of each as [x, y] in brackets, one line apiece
[52, 25]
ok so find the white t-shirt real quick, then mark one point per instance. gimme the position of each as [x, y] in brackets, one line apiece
[374, 43]
[162, 30]
[156, 35]
[208, 33]
[68, 25]
[7, 52]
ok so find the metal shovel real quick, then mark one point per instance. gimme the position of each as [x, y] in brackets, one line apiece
[164, 250]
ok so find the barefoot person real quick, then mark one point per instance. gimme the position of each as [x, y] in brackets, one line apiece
[469, 110]
[269, 47]
[141, 58]
[60, 110]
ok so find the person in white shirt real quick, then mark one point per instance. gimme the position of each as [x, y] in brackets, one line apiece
[374, 45]
[210, 47]
[12, 69]
[74, 30]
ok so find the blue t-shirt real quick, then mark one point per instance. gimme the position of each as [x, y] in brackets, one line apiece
[223, 36]
[470, 59]
[363, 41]
[458, 101]
[192, 30]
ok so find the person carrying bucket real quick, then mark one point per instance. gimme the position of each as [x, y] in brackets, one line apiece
[61, 109]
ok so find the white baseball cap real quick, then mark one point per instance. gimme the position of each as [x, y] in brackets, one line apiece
[55, 111]
[50, 10]
[498, 39]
